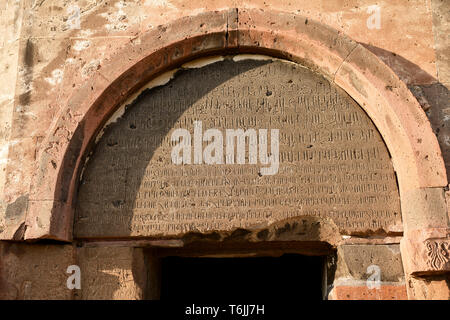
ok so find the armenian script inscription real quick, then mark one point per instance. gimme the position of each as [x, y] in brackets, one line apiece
[330, 161]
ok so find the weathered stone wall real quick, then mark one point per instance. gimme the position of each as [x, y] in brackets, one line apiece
[50, 48]
[118, 271]
[44, 52]
[40, 271]
[358, 265]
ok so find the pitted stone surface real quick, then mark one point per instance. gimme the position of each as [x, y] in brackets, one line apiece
[35, 271]
[333, 162]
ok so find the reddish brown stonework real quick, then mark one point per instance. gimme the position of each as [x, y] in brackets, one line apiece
[61, 83]
[416, 156]
[35, 271]
[431, 248]
[385, 292]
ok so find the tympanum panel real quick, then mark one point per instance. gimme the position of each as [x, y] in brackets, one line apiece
[333, 163]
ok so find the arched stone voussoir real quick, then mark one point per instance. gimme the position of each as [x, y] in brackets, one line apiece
[415, 151]
[398, 116]
[296, 38]
[88, 108]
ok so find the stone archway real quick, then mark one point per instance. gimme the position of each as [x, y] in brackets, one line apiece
[398, 117]
[153, 173]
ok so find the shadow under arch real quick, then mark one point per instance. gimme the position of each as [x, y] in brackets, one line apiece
[131, 127]
[138, 141]
[393, 109]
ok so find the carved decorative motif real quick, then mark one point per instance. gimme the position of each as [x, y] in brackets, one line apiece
[438, 254]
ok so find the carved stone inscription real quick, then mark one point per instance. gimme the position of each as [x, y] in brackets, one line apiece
[332, 161]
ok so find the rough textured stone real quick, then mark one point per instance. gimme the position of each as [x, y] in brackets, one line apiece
[427, 209]
[109, 273]
[362, 292]
[60, 154]
[60, 83]
[416, 65]
[35, 271]
[376, 89]
[319, 144]
[368, 272]
[354, 260]
[432, 288]
[426, 251]
[437, 97]
[441, 29]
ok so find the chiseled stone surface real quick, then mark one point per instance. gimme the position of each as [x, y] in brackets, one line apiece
[354, 260]
[33, 26]
[362, 292]
[10, 23]
[39, 272]
[124, 30]
[111, 273]
[35, 271]
[368, 272]
[437, 97]
[331, 158]
[118, 18]
[432, 288]
[441, 29]
[52, 63]
[428, 209]
[427, 251]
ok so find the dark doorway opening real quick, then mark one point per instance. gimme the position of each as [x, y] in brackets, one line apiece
[288, 277]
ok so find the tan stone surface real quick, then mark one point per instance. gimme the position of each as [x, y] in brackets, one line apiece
[412, 41]
[354, 260]
[436, 102]
[432, 288]
[90, 103]
[111, 273]
[415, 65]
[441, 29]
[358, 269]
[426, 251]
[413, 144]
[39, 272]
[46, 25]
[34, 271]
[428, 209]
[56, 145]
[294, 37]
[412, 58]
[40, 74]
[331, 158]
[10, 23]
